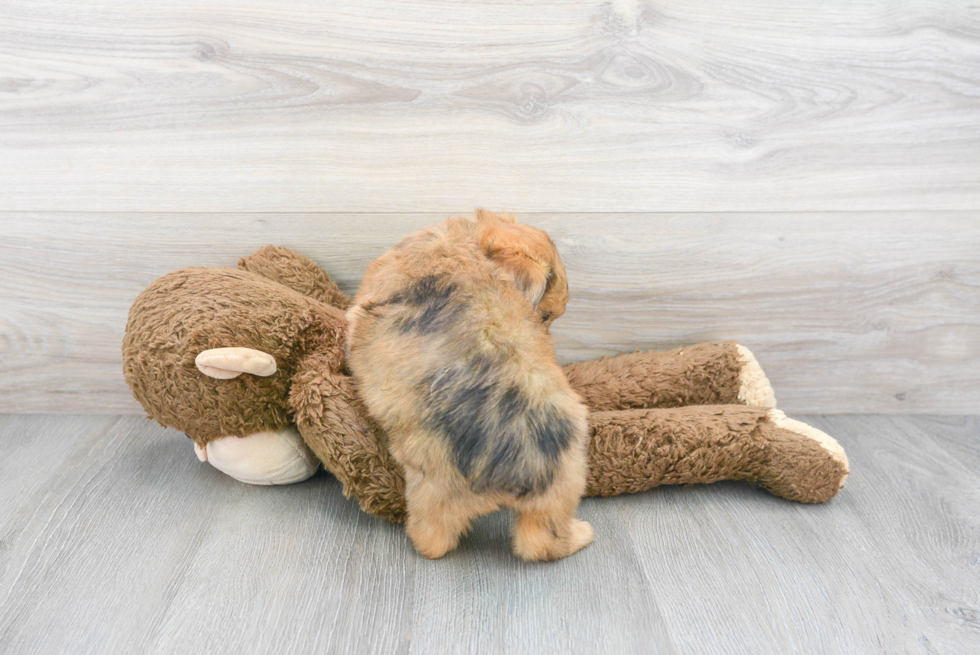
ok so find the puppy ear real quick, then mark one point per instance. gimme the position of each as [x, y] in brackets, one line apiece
[519, 250]
[484, 216]
[530, 276]
[555, 298]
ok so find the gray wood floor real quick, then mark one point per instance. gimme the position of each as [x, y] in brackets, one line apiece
[114, 539]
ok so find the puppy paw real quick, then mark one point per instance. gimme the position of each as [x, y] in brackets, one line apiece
[431, 538]
[430, 543]
[581, 535]
[534, 544]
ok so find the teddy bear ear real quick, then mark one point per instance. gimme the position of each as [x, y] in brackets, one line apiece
[228, 363]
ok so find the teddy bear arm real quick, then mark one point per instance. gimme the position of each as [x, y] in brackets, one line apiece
[336, 427]
[635, 450]
[717, 372]
[295, 271]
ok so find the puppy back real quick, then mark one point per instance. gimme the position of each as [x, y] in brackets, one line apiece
[452, 360]
[502, 434]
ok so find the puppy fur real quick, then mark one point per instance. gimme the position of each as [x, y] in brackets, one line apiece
[448, 342]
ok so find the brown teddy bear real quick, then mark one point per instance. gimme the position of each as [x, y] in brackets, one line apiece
[249, 363]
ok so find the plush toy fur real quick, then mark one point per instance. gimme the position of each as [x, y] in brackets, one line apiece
[242, 359]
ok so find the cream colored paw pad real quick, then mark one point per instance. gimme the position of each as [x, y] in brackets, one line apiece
[825, 440]
[754, 388]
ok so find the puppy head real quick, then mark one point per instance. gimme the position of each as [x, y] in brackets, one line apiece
[530, 257]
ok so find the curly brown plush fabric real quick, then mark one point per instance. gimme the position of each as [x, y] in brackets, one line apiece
[295, 271]
[281, 303]
[638, 449]
[337, 428]
[194, 309]
[702, 374]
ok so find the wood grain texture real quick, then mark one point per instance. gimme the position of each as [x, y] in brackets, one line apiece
[865, 312]
[115, 539]
[437, 105]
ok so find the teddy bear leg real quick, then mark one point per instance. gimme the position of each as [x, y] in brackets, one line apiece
[264, 458]
[635, 450]
[712, 373]
[804, 463]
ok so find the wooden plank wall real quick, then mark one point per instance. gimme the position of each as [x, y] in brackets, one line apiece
[807, 181]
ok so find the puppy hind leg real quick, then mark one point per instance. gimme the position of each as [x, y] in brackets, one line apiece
[437, 517]
[549, 530]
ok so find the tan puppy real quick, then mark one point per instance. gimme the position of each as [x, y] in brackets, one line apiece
[449, 345]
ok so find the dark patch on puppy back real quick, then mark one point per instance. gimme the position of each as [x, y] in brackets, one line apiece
[425, 289]
[500, 440]
[552, 432]
[504, 471]
[429, 304]
[458, 397]
[512, 404]
[550, 429]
